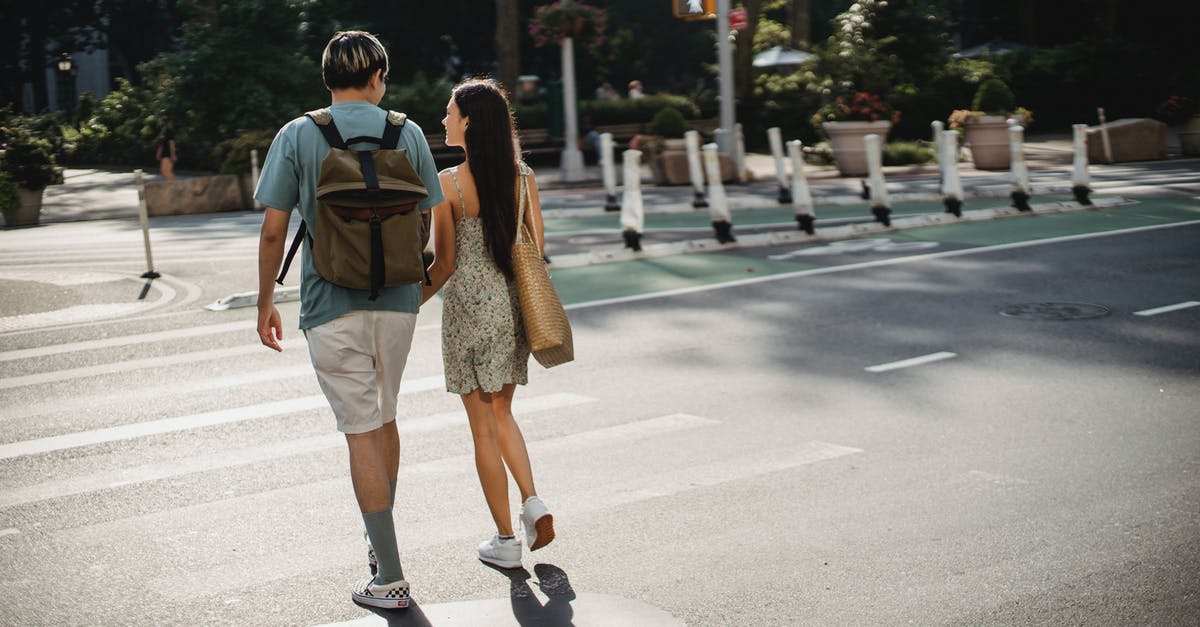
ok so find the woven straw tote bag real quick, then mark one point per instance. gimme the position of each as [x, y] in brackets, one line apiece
[546, 325]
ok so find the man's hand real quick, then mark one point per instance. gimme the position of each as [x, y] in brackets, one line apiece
[270, 327]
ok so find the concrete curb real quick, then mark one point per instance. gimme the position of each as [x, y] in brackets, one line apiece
[249, 299]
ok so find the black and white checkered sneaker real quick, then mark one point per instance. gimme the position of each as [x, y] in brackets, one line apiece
[388, 596]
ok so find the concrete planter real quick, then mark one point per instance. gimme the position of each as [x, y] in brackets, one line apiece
[846, 139]
[28, 210]
[202, 194]
[1189, 136]
[988, 138]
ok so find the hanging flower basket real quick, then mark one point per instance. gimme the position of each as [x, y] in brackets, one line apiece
[554, 22]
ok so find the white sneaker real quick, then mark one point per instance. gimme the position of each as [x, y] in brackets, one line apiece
[502, 553]
[388, 595]
[538, 523]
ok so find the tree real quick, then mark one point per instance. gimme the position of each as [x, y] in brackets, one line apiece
[34, 33]
[508, 42]
[800, 23]
[743, 57]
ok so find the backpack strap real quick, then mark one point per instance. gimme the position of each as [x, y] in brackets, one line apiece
[324, 121]
[391, 133]
[287, 261]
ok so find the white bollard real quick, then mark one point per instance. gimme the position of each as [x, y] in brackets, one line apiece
[775, 138]
[609, 171]
[719, 204]
[144, 218]
[1079, 177]
[938, 140]
[1020, 172]
[254, 178]
[952, 190]
[801, 195]
[695, 169]
[879, 197]
[632, 214]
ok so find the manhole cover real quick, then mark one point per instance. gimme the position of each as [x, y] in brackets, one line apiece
[1055, 311]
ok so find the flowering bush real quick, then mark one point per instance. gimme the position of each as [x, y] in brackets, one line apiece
[1176, 109]
[554, 22]
[959, 118]
[861, 107]
[650, 145]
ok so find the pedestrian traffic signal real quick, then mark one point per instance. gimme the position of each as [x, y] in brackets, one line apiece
[695, 9]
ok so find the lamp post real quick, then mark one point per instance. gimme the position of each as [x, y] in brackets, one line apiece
[572, 158]
[66, 82]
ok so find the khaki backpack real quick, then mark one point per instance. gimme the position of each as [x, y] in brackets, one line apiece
[367, 234]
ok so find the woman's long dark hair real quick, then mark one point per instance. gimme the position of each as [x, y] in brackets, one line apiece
[491, 151]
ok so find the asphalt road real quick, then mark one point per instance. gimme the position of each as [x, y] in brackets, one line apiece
[811, 433]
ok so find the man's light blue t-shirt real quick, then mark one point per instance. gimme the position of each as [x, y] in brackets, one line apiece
[289, 179]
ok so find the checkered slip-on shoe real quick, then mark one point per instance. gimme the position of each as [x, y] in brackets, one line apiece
[388, 596]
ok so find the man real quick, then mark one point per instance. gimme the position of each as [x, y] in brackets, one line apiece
[358, 346]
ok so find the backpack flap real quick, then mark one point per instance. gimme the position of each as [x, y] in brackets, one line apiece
[342, 179]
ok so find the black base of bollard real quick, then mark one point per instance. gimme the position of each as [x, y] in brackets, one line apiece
[611, 204]
[150, 274]
[805, 223]
[882, 214]
[699, 201]
[1081, 194]
[724, 231]
[1021, 201]
[785, 196]
[866, 190]
[633, 240]
[953, 205]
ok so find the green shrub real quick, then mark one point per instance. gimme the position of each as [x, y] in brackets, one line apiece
[121, 130]
[28, 159]
[994, 98]
[535, 115]
[422, 99]
[234, 154]
[8, 193]
[627, 111]
[906, 153]
[668, 122]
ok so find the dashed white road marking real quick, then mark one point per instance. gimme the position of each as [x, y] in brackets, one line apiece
[1168, 308]
[127, 340]
[915, 361]
[9, 532]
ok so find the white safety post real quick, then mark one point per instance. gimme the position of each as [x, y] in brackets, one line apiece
[695, 169]
[254, 178]
[938, 140]
[1108, 158]
[719, 204]
[879, 197]
[632, 214]
[1020, 172]
[952, 190]
[608, 168]
[739, 157]
[801, 196]
[1079, 177]
[144, 217]
[775, 137]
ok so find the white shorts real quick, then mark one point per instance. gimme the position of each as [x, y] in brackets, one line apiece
[359, 358]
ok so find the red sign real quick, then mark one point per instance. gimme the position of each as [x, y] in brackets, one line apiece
[737, 19]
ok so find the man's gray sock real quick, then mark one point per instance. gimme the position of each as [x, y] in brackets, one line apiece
[382, 531]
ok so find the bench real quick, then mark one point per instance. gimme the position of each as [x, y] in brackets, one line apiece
[538, 141]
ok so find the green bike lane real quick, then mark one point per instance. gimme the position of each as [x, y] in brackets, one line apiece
[641, 278]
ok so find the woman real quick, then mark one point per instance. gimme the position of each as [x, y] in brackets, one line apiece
[483, 342]
[166, 153]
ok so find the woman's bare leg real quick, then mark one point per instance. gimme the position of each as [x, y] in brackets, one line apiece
[512, 443]
[488, 463]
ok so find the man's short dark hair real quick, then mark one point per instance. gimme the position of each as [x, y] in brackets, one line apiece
[350, 58]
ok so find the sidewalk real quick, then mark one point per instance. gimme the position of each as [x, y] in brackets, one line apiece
[99, 194]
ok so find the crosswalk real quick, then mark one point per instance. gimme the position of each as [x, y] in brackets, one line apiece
[255, 437]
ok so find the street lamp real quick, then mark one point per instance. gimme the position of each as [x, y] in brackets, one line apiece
[66, 82]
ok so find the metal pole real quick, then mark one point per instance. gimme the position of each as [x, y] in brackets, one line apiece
[802, 197]
[695, 170]
[632, 214]
[610, 173]
[572, 157]
[144, 218]
[725, 135]
[254, 178]
[879, 197]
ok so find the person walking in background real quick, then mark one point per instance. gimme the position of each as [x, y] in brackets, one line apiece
[165, 153]
[635, 90]
[358, 346]
[484, 349]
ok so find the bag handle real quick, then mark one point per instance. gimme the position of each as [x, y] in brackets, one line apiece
[525, 232]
